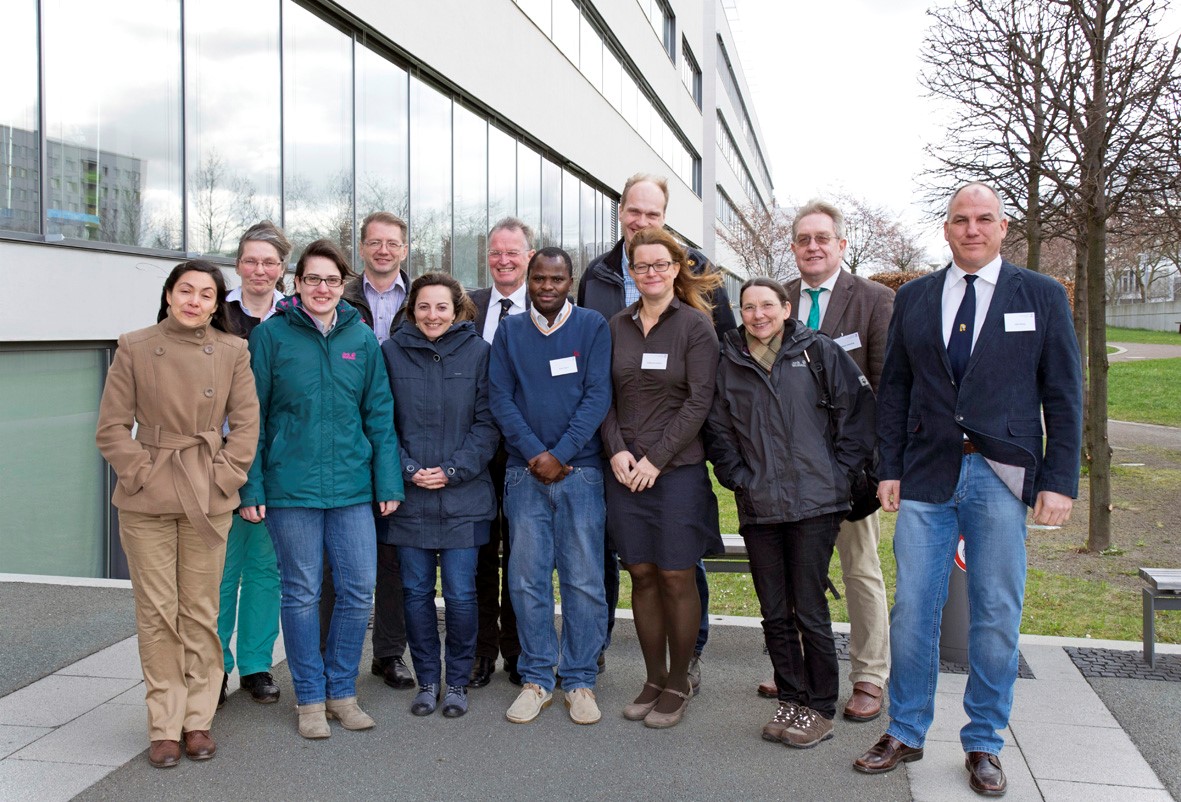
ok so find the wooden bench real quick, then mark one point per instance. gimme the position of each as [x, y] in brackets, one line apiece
[1163, 593]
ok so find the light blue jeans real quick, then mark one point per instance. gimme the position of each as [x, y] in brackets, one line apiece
[557, 526]
[302, 537]
[992, 521]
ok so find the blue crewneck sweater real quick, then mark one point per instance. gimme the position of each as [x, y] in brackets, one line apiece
[537, 411]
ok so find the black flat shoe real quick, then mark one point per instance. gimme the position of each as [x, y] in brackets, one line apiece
[514, 676]
[397, 674]
[482, 671]
[262, 687]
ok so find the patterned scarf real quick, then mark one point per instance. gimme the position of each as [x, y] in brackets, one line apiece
[764, 355]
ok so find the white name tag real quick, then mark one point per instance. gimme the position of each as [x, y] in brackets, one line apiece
[850, 342]
[1019, 321]
[654, 362]
[560, 367]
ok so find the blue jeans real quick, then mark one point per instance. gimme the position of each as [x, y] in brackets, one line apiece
[422, 623]
[557, 526]
[992, 521]
[302, 537]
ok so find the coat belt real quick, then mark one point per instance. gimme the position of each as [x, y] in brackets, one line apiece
[196, 507]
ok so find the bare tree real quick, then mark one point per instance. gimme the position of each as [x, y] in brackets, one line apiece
[902, 250]
[868, 228]
[761, 239]
[223, 206]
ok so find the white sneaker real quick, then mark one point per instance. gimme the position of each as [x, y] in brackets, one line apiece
[583, 709]
[531, 701]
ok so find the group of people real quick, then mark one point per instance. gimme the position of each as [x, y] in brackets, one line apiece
[375, 435]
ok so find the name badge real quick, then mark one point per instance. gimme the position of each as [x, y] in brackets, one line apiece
[654, 362]
[1019, 321]
[850, 342]
[560, 367]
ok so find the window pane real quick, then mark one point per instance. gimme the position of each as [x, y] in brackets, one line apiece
[233, 124]
[502, 175]
[529, 188]
[383, 138]
[113, 123]
[317, 130]
[551, 204]
[20, 137]
[612, 76]
[470, 258]
[587, 224]
[591, 54]
[430, 179]
[538, 11]
[49, 408]
[571, 189]
[566, 28]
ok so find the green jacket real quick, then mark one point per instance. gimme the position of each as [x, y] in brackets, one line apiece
[326, 436]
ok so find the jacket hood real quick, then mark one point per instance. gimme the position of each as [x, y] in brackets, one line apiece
[346, 315]
[796, 337]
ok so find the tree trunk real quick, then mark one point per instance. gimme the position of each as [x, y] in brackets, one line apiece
[1080, 331]
[1098, 449]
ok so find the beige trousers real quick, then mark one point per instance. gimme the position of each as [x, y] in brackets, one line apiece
[865, 593]
[176, 579]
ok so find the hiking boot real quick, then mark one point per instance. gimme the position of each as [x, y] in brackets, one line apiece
[808, 729]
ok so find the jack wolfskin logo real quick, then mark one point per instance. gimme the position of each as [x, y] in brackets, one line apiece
[349, 355]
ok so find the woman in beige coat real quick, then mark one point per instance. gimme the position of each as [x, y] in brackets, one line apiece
[160, 426]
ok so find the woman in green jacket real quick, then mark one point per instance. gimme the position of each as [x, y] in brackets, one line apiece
[327, 451]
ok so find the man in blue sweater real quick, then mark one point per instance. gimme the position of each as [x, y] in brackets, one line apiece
[550, 378]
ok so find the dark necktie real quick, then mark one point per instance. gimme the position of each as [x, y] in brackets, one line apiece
[505, 305]
[959, 346]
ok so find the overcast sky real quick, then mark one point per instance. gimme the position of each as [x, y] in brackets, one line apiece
[837, 95]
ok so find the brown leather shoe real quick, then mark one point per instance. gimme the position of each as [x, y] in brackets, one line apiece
[866, 702]
[199, 745]
[767, 689]
[885, 755]
[986, 776]
[164, 754]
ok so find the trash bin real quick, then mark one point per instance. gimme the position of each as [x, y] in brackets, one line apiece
[953, 634]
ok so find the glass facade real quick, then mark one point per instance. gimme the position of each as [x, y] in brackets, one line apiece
[729, 150]
[730, 81]
[690, 73]
[258, 109]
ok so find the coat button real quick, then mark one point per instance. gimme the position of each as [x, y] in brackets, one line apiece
[159, 350]
[437, 357]
[200, 333]
[959, 417]
[208, 349]
[450, 471]
[209, 392]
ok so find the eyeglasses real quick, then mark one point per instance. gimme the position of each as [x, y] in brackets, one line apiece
[821, 240]
[312, 280]
[375, 244]
[766, 308]
[509, 254]
[269, 264]
[659, 267]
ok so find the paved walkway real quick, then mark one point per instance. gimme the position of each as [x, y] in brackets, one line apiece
[1133, 352]
[79, 731]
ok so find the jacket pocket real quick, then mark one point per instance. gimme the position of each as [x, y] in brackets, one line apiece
[1025, 427]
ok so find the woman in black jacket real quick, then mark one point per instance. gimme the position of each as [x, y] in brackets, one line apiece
[791, 425]
[438, 368]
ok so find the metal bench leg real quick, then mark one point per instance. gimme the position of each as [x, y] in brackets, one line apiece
[1149, 628]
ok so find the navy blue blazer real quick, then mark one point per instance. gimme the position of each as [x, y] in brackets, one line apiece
[1013, 379]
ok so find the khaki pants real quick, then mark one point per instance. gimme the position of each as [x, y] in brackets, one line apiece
[176, 579]
[865, 593]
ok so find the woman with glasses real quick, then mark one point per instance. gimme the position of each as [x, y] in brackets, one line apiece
[438, 367]
[250, 582]
[792, 423]
[170, 389]
[662, 516]
[327, 454]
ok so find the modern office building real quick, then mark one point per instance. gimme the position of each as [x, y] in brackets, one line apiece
[137, 133]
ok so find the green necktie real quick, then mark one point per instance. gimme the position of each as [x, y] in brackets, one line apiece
[814, 312]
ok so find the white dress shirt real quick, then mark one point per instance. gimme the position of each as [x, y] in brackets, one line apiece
[492, 317]
[953, 294]
[806, 298]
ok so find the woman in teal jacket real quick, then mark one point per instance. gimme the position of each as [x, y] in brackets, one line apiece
[327, 451]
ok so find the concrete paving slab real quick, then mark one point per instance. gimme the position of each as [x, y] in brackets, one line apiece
[110, 735]
[1050, 663]
[14, 738]
[132, 696]
[30, 781]
[941, 777]
[1059, 791]
[1055, 702]
[1150, 713]
[1065, 752]
[53, 701]
[119, 660]
[950, 718]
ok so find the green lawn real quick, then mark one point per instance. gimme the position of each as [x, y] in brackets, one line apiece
[1115, 335]
[1145, 391]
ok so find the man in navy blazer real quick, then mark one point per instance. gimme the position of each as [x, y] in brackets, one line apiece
[978, 355]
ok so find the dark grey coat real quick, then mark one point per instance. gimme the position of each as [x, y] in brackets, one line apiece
[786, 458]
[441, 410]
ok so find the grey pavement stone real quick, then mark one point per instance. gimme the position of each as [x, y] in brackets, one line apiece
[1061, 752]
[1126, 664]
[53, 701]
[1050, 662]
[13, 738]
[118, 660]
[135, 696]
[1150, 713]
[30, 781]
[950, 719]
[1053, 702]
[941, 777]
[110, 735]
[1061, 791]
